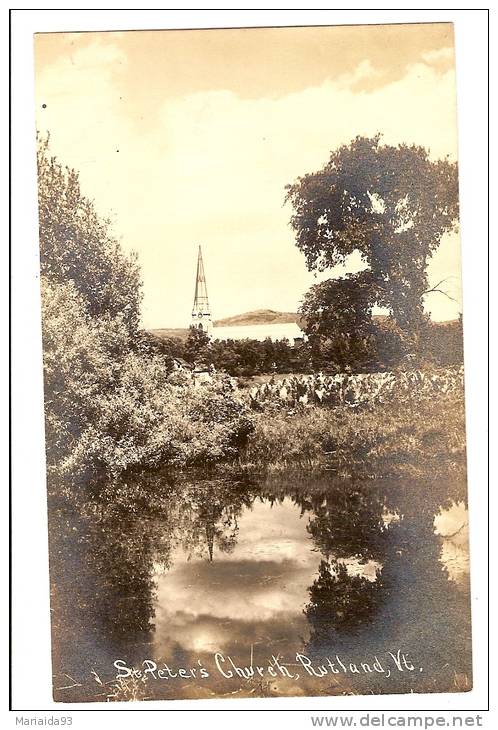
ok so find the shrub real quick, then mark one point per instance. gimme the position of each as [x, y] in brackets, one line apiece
[110, 408]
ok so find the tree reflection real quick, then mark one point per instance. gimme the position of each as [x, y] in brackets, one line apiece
[102, 590]
[349, 523]
[411, 603]
[340, 601]
[348, 527]
[206, 516]
[104, 561]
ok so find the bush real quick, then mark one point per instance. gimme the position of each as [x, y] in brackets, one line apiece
[79, 354]
[110, 408]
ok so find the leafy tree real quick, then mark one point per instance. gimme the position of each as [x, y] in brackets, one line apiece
[391, 204]
[197, 346]
[339, 323]
[170, 348]
[76, 245]
[79, 368]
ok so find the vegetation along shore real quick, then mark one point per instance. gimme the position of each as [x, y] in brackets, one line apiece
[362, 395]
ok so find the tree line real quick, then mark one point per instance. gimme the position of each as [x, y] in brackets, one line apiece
[440, 345]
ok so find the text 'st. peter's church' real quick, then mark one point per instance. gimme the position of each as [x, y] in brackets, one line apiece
[201, 313]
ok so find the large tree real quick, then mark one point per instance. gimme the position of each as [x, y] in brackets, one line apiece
[390, 204]
[77, 245]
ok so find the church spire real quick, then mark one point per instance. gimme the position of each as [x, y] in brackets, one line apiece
[201, 313]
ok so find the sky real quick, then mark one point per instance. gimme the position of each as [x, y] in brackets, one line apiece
[188, 138]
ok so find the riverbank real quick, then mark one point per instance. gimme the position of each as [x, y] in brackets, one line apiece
[407, 424]
[397, 438]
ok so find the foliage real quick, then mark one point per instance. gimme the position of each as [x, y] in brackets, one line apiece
[245, 358]
[239, 358]
[76, 244]
[442, 343]
[110, 409]
[355, 391]
[403, 436]
[78, 353]
[390, 204]
[338, 316]
[197, 346]
[356, 346]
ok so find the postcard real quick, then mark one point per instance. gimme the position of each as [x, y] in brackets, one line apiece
[253, 362]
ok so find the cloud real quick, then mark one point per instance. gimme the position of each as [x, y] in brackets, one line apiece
[439, 55]
[363, 72]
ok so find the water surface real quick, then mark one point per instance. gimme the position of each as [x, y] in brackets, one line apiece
[329, 587]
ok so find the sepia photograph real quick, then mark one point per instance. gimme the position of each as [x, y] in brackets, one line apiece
[253, 368]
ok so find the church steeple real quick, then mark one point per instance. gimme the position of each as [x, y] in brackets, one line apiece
[201, 313]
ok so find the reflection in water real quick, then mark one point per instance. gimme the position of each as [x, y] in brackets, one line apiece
[260, 569]
[245, 597]
[453, 526]
[341, 602]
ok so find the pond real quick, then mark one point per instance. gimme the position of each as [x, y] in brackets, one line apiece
[257, 586]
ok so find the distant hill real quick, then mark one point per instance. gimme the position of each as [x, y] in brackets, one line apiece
[258, 316]
[265, 316]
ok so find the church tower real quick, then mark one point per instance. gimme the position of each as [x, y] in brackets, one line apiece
[201, 313]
